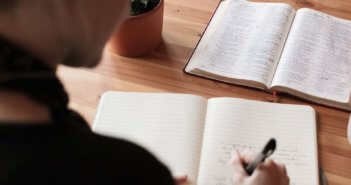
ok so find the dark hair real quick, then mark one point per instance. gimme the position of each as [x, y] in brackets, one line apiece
[8, 4]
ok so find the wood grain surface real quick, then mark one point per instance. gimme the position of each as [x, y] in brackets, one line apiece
[162, 71]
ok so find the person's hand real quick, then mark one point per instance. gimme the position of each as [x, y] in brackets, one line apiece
[180, 180]
[267, 173]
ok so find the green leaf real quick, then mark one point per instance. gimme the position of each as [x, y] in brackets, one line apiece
[143, 6]
[145, 2]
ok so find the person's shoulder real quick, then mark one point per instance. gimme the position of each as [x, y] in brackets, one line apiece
[114, 145]
[134, 160]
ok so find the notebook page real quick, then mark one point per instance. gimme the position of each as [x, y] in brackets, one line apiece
[248, 41]
[168, 125]
[317, 56]
[248, 125]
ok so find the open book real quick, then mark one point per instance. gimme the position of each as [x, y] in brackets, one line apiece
[271, 46]
[195, 136]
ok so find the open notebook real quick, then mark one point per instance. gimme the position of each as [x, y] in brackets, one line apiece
[196, 136]
[274, 47]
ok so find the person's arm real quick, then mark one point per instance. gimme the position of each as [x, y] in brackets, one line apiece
[267, 173]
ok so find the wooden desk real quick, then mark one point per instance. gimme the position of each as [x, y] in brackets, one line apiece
[161, 71]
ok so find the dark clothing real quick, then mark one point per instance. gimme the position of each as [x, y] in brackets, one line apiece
[67, 154]
[65, 151]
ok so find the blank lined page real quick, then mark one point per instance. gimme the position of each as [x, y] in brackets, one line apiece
[168, 125]
[248, 125]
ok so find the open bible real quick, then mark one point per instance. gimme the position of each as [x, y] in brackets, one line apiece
[195, 136]
[273, 47]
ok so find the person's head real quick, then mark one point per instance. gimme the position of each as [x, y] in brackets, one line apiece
[71, 32]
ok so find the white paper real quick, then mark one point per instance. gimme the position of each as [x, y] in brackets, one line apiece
[248, 41]
[317, 56]
[248, 125]
[168, 125]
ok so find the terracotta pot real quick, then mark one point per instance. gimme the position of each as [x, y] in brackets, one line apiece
[349, 130]
[139, 34]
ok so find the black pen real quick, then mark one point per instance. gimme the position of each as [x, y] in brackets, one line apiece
[266, 152]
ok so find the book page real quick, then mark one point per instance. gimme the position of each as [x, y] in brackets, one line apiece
[317, 57]
[168, 125]
[248, 125]
[248, 41]
[210, 30]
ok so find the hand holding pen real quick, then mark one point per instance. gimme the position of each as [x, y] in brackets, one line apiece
[264, 171]
[261, 157]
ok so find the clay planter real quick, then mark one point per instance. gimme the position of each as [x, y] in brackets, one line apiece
[139, 34]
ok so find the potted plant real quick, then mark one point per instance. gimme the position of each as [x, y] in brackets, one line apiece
[142, 31]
